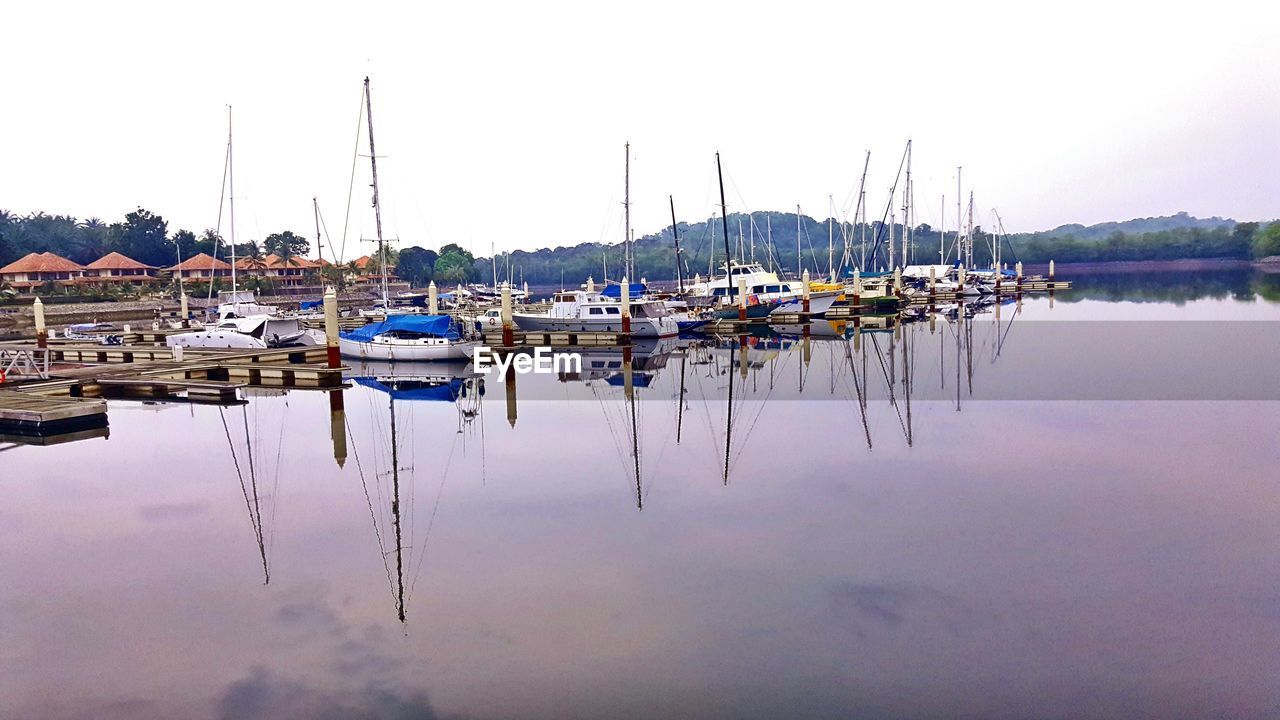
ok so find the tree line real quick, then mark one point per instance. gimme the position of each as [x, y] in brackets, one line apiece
[777, 240]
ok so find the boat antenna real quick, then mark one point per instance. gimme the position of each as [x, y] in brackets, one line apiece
[377, 206]
[675, 232]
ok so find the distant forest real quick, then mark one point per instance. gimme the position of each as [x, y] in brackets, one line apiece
[770, 238]
[767, 237]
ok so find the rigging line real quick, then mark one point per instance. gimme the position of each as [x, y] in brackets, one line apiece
[377, 533]
[217, 228]
[236, 461]
[431, 521]
[253, 481]
[759, 413]
[893, 400]
[275, 485]
[355, 157]
[618, 447]
[862, 405]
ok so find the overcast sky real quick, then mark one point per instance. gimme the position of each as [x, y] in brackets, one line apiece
[505, 123]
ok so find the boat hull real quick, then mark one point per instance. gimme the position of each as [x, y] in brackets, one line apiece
[640, 327]
[819, 304]
[392, 350]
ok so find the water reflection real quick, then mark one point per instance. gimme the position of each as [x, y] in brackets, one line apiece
[833, 533]
[392, 520]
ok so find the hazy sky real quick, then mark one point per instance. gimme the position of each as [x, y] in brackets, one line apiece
[504, 122]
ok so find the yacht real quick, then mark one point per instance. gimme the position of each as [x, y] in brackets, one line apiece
[254, 332]
[409, 337]
[766, 293]
[589, 311]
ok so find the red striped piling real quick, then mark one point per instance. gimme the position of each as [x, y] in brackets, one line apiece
[332, 351]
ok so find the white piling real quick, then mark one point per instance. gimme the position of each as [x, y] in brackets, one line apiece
[626, 304]
[433, 298]
[332, 351]
[41, 331]
[508, 332]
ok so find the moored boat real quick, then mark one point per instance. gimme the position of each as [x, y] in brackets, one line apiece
[409, 337]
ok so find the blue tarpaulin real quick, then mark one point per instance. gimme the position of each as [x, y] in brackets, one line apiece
[447, 391]
[435, 325]
[614, 290]
[311, 304]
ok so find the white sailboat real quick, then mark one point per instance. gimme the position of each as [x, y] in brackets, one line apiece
[241, 321]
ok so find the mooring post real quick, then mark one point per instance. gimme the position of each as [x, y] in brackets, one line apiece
[338, 426]
[510, 382]
[42, 337]
[433, 298]
[334, 355]
[525, 287]
[591, 284]
[962, 275]
[742, 298]
[1018, 282]
[508, 332]
[183, 309]
[626, 305]
[804, 281]
[897, 282]
[933, 283]
[857, 291]
[1050, 271]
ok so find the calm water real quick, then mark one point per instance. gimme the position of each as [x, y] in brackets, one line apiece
[949, 522]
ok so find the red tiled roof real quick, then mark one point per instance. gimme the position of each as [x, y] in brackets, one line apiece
[203, 261]
[274, 262]
[116, 261]
[40, 263]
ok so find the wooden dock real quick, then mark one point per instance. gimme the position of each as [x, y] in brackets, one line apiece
[23, 414]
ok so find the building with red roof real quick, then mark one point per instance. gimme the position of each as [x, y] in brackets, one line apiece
[35, 269]
[201, 267]
[117, 268]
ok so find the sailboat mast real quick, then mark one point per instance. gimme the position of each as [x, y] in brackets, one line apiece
[906, 212]
[831, 239]
[377, 205]
[231, 192]
[959, 220]
[315, 207]
[628, 263]
[395, 514]
[724, 222]
[799, 255]
[675, 233]
[942, 234]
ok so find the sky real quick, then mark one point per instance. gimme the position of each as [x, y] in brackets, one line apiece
[502, 124]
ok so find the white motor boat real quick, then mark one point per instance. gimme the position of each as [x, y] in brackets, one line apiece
[584, 311]
[765, 288]
[409, 337]
[256, 332]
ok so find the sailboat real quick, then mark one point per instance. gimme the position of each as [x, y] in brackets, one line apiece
[241, 321]
[402, 335]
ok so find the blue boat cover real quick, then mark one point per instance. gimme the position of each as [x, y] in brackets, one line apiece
[447, 391]
[640, 380]
[614, 290]
[436, 325]
[311, 304]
